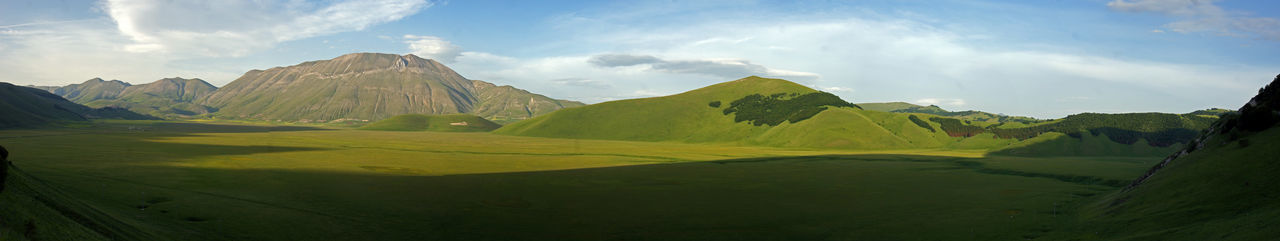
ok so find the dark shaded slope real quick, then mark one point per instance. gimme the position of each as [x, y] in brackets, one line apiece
[1221, 186]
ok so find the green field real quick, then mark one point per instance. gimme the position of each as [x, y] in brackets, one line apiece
[205, 181]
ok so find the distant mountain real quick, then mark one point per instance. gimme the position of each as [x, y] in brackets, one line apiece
[91, 90]
[369, 86]
[1221, 186]
[29, 107]
[442, 123]
[170, 97]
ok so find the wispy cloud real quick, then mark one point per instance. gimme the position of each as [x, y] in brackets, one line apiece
[724, 68]
[236, 28]
[885, 58]
[1204, 16]
[142, 40]
[433, 48]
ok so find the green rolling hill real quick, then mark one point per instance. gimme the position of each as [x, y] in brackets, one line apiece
[728, 113]
[443, 123]
[29, 107]
[704, 115]
[369, 86]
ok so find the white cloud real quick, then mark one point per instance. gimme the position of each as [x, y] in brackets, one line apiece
[836, 89]
[581, 82]
[941, 102]
[1171, 7]
[143, 40]
[433, 48]
[724, 68]
[239, 27]
[1204, 16]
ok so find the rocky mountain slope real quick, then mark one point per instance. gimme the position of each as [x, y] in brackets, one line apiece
[170, 97]
[370, 86]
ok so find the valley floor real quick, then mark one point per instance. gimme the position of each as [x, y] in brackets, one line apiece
[201, 181]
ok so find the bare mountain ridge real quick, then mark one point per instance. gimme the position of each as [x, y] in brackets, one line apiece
[371, 86]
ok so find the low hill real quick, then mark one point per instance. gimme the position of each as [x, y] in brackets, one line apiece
[443, 123]
[370, 86]
[744, 111]
[1219, 187]
[170, 97]
[28, 107]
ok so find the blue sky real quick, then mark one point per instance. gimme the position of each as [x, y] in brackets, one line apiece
[1045, 59]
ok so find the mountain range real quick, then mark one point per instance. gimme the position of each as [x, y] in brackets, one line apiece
[360, 86]
[369, 86]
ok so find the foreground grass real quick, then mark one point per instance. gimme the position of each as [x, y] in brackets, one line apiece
[194, 181]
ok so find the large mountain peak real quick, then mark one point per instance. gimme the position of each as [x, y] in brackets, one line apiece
[367, 86]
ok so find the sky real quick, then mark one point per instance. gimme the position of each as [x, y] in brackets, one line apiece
[1045, 59]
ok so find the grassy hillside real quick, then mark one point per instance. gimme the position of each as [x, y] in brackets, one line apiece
[1220, 187]
[35, 210]
[24, 106]
[773, 112]
[446, 123]
[743, 111]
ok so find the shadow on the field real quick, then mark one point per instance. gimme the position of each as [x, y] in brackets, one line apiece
[831, 197]
[191, 127]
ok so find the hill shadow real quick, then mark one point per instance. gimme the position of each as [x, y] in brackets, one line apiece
[876, 197]
[190, 127]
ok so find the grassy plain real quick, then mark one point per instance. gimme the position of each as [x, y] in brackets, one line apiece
[209, 181]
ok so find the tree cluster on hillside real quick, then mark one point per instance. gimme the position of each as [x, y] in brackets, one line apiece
[956, 128]
[921, 123]
[772, 110]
